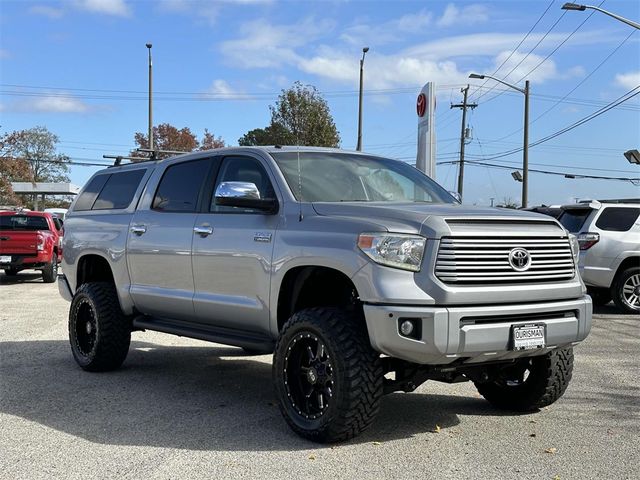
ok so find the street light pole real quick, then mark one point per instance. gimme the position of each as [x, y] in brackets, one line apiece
[150, 101]
[359, 145]
[575, 6]
[525, 146]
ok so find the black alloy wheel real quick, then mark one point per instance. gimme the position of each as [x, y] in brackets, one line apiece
[308, 373]
[86, 328]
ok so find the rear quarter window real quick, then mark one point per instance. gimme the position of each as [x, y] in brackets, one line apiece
[574, 219]
[110, 191]
[617, 219]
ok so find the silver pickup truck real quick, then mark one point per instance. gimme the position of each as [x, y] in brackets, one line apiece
[362, 276]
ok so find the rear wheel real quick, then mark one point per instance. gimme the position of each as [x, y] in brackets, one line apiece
[328, 379]
[99, 332]
[530, 383]
[626, 290]
[50, 272]
[599, 296]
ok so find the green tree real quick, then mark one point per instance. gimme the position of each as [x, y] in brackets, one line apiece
[274, 134]
[168, 137]
[37, 146]
[300, 116]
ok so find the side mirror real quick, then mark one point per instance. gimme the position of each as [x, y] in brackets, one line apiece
[244, 195]
[456, 195]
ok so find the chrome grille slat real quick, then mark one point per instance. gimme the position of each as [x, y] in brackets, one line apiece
[475, 260]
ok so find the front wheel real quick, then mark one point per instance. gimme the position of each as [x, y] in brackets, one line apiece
[626, 290]
[99, 332]
[328, 379]
[530, 383]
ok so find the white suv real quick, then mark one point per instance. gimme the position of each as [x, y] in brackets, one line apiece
[609, 236]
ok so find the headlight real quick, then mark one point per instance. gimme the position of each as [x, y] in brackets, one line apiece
[575, 248]
[393, 249]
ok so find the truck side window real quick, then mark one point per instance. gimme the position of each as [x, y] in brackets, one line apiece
[119, 190]
[180, 186]
[617, 219]
[242, 169]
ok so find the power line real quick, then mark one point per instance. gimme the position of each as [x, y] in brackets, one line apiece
[574, 88]
[527, 55]
[517, 46]
[635, 180]
[550, 54]
[576, 124]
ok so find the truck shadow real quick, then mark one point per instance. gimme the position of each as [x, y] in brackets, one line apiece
[28, 276]
[611, 309]
[198, 398]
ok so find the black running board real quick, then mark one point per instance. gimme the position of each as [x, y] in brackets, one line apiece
[225, 336]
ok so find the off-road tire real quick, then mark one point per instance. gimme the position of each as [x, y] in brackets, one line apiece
[617, 289]
[50, 272]
[356, 367]
[11, 272]
[98, 303]
[549, 376]
[599, 296]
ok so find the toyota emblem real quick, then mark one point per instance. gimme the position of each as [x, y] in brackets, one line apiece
[520, 259]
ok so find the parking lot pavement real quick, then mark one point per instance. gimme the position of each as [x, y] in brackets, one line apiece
[182, 408]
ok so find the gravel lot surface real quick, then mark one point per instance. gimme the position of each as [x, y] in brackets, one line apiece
[182, 408]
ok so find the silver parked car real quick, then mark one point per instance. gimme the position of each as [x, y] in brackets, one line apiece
[609, 235]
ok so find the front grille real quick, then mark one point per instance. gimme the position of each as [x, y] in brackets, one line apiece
[476, 260]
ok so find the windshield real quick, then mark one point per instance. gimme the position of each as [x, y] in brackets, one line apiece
[343, 177]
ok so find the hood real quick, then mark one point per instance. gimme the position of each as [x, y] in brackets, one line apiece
[428, 219]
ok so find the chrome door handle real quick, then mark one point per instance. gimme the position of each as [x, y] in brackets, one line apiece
[203, 231]
[138, 229]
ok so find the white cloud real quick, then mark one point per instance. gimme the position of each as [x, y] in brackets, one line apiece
[221, 89]
[469, 15]
[382, 71]
[117, 8]
[628, 80]
[265, 46]
[362, 34]
[46, 11]
[59, 103]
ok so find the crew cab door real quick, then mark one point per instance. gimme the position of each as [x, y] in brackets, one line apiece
[232, 252]
[160, 241]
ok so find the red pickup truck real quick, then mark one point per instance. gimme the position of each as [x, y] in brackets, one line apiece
[30, 240]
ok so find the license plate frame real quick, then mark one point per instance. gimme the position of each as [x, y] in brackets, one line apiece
[528, 337]
[5, 258]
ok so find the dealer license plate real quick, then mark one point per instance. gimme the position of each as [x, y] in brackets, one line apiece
[528, 337]
[5, 258]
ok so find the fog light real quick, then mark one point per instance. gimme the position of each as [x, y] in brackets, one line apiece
[406, 328]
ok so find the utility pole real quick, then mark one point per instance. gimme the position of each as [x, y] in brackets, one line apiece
[150, 101]
[464, 105]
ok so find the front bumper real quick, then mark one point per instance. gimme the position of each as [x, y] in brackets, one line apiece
[474, 334]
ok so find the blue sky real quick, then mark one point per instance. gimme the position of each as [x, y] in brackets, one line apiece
[80, 68]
